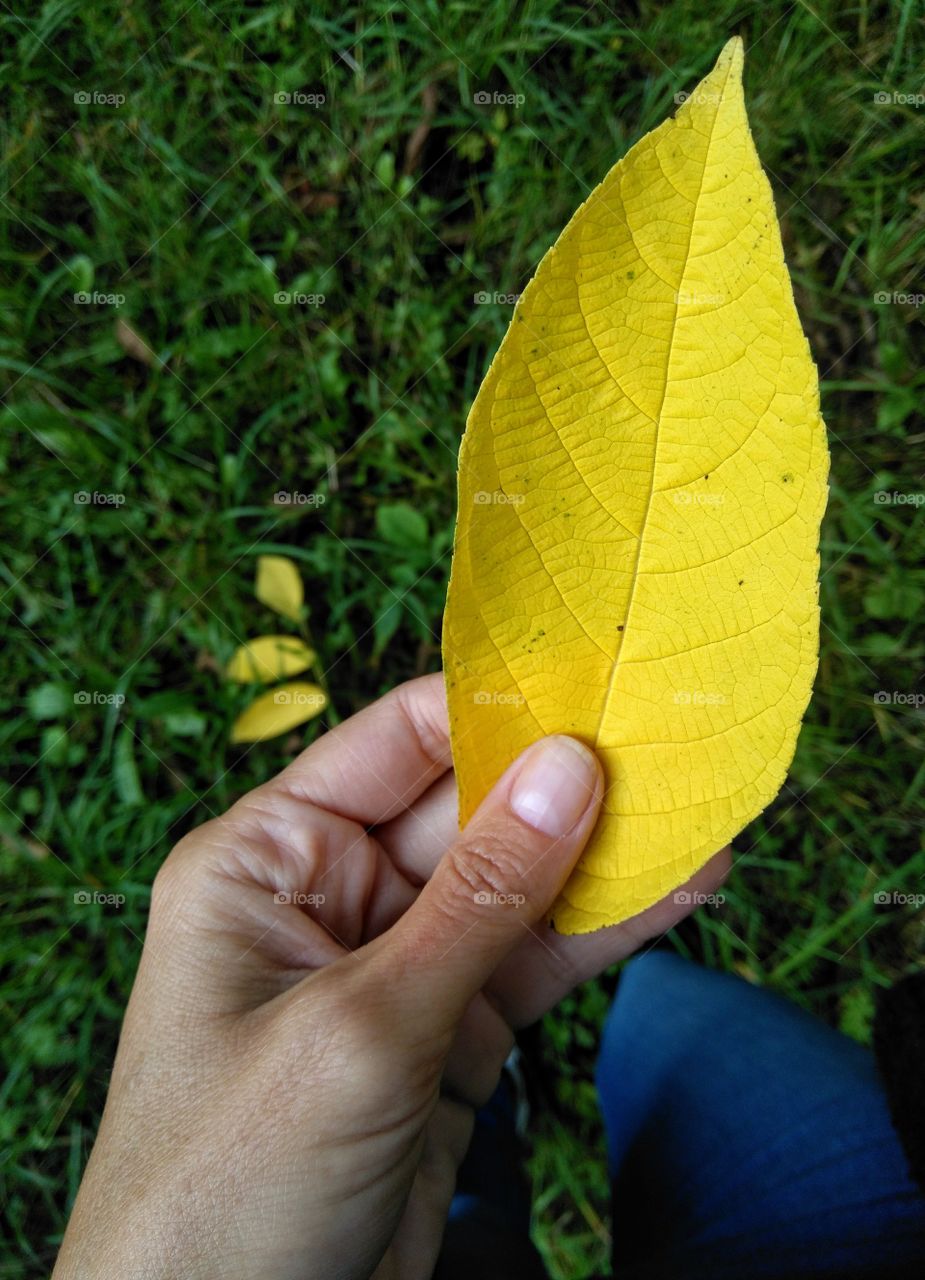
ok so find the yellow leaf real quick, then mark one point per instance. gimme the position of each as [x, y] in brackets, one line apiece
[269, 658]
[641, 484]
[279, 586]
[279, 710]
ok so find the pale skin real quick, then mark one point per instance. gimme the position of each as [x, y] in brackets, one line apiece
[296, 1081]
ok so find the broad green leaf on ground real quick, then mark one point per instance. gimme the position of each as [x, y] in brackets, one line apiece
[641, 484]
[279, 710]
[401, 525]
[279, 586]
[50, 701]
[269, 658]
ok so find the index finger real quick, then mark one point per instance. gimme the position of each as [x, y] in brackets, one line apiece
[377, 763]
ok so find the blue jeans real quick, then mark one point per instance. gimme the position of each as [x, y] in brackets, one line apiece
[746, 1141]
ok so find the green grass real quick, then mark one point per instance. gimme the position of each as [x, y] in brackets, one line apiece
[197, 200]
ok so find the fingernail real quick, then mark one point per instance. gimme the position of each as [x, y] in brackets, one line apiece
[552, 790]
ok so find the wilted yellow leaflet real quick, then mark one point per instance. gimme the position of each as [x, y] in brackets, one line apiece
[269, 658]
[279, 586]
[278, 711]
[641, 484]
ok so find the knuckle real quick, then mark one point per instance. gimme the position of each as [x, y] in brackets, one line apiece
[431, 736]
[283, 831]
[170, 880]
[181, 871]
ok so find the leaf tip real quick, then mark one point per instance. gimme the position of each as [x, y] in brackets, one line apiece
[732, 59]
[721, 88]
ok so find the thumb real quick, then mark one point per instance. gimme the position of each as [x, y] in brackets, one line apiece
[499, 877]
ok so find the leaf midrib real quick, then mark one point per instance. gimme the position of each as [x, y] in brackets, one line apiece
[622, 635]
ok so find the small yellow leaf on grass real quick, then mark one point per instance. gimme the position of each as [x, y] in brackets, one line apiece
[269, 658]
[278, 711]
[640, 489]
[279, 586]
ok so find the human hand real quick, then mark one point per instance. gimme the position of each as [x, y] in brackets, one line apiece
[329, 987]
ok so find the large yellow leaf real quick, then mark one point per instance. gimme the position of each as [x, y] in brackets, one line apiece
[269, 658]
[279, 710]
[640, 489]
[279, 586]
